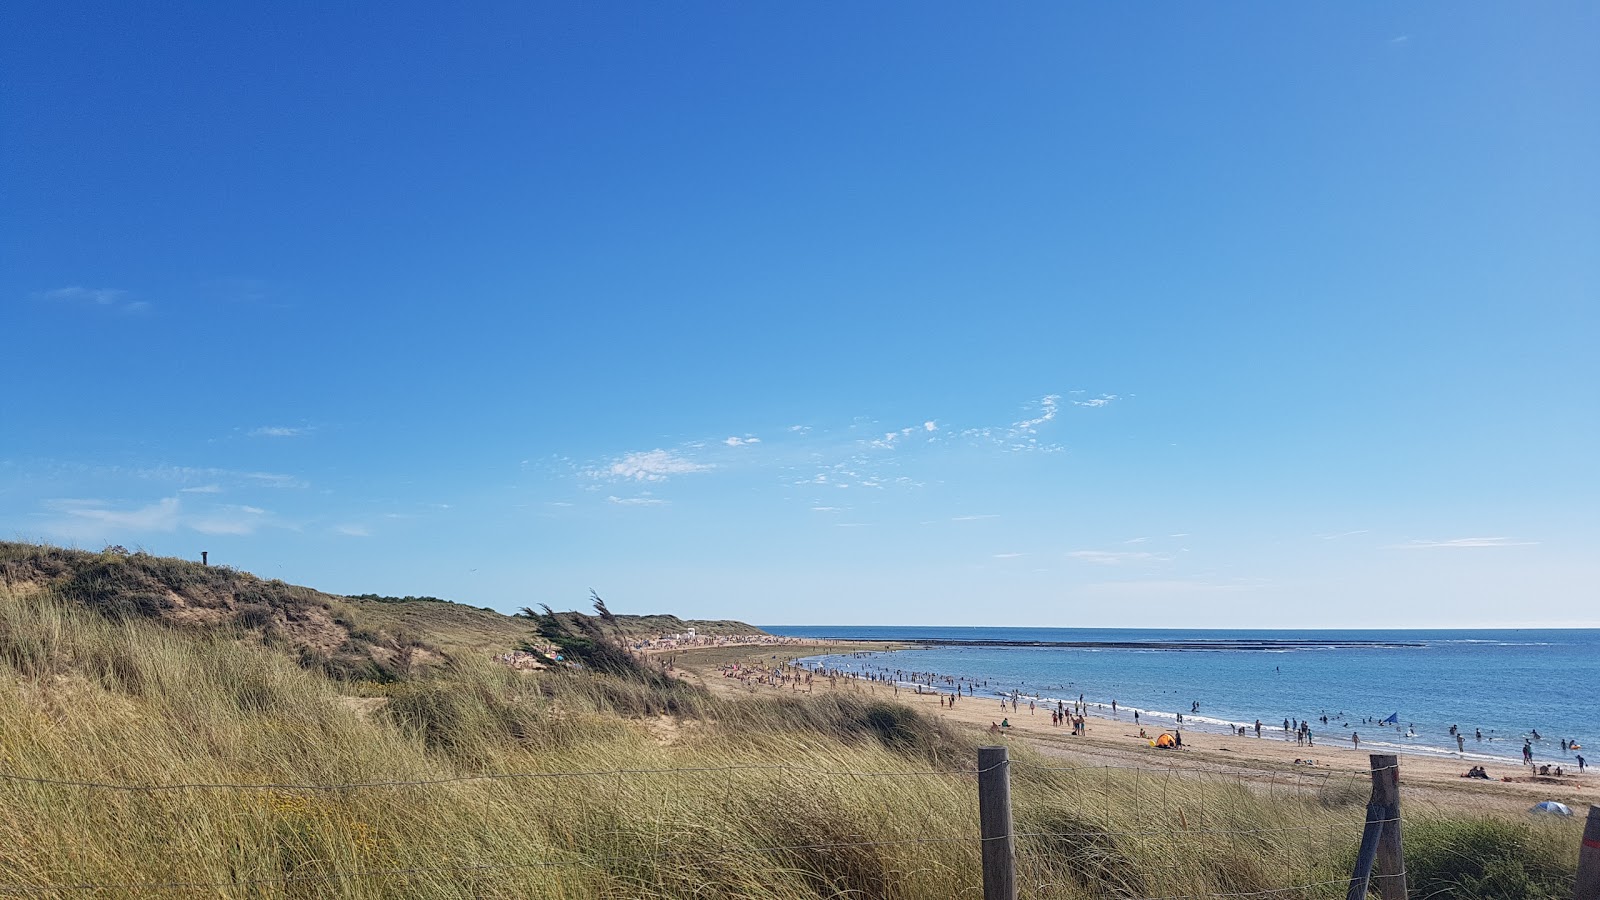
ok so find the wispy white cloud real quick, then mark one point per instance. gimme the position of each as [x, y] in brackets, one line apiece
[1137, 540]
[974, 518]
[827, 509]
[1462, 543]
[81, 519]
[1114, 557]
[232, 519]
[648, 465]
[1008, 555]
[890, 438]
[1342, 534]
[276, 480]
[1048, 407]
[1155, 588]
[111, 299]
[279, 431]
[1096, 402]
[863, 454]
[636, 501]
[202, 489]
[208, 477]
[353, 530]
[1023, 436]
[96, 518]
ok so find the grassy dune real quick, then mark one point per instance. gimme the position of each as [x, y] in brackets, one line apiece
[764, 797]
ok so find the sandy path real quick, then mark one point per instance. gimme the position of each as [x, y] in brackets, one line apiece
[1115, 741]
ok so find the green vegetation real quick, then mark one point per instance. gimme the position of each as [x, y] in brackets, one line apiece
[629, 784]
[380, 598]
[1480, 859]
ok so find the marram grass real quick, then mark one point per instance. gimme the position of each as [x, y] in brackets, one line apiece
[833, 797]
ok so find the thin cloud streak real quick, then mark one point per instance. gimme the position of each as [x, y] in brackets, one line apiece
[1114, 557]
[112, 299]
[1461, 544]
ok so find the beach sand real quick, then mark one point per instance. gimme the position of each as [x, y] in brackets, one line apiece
[1114, 741]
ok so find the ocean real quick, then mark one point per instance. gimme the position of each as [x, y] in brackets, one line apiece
[1506, 684]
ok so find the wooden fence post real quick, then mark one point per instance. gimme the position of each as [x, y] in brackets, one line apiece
[1588, 885]
[1368, 853]
[994, 824]
[1380, 839]
[1390, 868]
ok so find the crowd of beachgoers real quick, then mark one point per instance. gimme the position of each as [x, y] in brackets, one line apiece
[544, 656]
[1306, 732]
[689, 641]
[523, 659]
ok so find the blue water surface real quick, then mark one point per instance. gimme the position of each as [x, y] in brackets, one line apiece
[1506, 683]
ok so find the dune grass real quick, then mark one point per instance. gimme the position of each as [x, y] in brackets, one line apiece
[681, 794]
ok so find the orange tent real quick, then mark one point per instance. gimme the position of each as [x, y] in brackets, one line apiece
[1165, 741]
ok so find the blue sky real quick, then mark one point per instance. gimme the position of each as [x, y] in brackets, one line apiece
[935, 314]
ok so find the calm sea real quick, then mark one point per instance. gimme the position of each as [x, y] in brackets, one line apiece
[1506, 683]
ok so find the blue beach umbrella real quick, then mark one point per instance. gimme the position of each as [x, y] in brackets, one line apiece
[1550, 807]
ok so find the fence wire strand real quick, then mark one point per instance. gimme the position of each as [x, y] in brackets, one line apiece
[460, 779]
[1209, 825]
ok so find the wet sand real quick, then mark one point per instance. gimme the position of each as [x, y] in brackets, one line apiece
[1109, 740]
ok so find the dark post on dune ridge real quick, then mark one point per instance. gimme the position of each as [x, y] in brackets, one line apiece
[1381, 857]
[1588, 884]
[994, 824]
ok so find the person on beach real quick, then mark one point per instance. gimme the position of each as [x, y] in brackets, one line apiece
[1258, 728]
[1527, 752]
[1580, 762]
[1461, 744]
[1355, 739]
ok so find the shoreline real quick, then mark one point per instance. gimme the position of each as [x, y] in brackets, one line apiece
[1330, 730]
[1114, 739]
[1265, 645]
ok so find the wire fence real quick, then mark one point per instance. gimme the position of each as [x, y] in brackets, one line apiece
[1101, 846]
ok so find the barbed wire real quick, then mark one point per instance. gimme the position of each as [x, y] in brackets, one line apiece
[1146, 832]
[586, 862]
[1229, 895]
[1264, 892]
[483, 776]
[137, 787]
[600, 862]
[1247, 773]
[698, 856]
[580, 862]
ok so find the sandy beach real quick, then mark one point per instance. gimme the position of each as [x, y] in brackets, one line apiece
[1115, 740]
